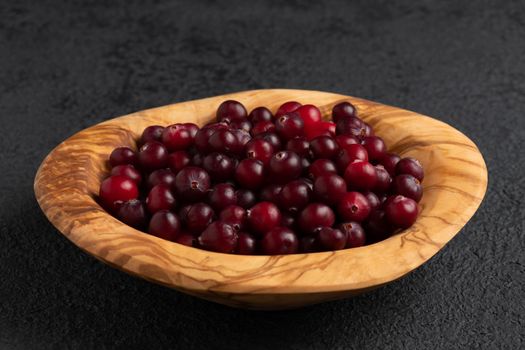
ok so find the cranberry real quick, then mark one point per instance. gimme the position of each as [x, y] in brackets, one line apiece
[224, 141]
[308, 244]
[299, 145]
[314, 216]
[289, 126]
[260, 114]
[133, 213]
[250, 173]
[375, 147]
[361, 175]
[285, 166]
[320, 129]
[243, 136]
[329, 188]
[197, 160]
[160, 198]
[127, 170]
[353, 206]
[346, 140]
[286, 108]
[324, 147]
[245, 198]
[305, 166]
[153, 155]
[192, 129]
[376, 227]
[176, 137]
[117, 189]
[185, 239]
[332, 238]
[231, 111]
[401, 211]
[246, 244]
[192, 183]
[389, 161]
[272, 138]
[178, 160]
[259, 149]
[343, 110]
[262, 127]
[287, 220]
[263, 216]
[321, 167]
[355, 234]
[164, 224]
[373, 199]
[383, 181]
[351, 126]
[410, 166]
[245, 125]
[222, 196]
[270, 193]
[369, 131]
[280, 240]
[161, 176]
[408, 186]
[218, 237]
[235, 216]
[310, 114]
[198, 217]
[349, 155]
[152, 133]
[122, 156]
[295, 196]
[203, 136]
[219, 166]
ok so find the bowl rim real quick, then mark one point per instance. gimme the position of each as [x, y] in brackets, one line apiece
[65, 182]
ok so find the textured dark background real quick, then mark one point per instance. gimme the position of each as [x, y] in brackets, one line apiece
[64, 67]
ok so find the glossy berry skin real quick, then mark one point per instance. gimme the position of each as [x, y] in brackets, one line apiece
[117, 189]
[272, 138]
[122, 156]
[314, 216]
[343, 110]
[259, 149]
[324, 147]
[389, 162]
[202, 137]
[192, 183]
[384, 181]
[243, 137]
[286, 108]
[377, 227]
[294, 196]
[159, 198]
[219, 166]
[263, 216]
[245, 125]
[346, 140]
[332, 238]
[231, 111]
[287, 220]
[360, 175]
[270, 193]
[224, 141]
[221, 196]
[355, 234]
[351, 126]
[300, 146]
[285, 166]
[152, 155]
[235, 216]
[260, 114]
[262, 127]
[322, 128]
[309, 244]
[164, 224]
[197, 160]
[329, 188]
[250, 173]
[133, 213]
[349, 155]
[320, 167]
[218, 237]
[129, 171]
[279, 241]
[353, 206]
[245, 198]
[410, 166]
[185, 239]
[176, 137]
[192, 129]
[408, 186]
[178, 160]
[198, 217]
[401, 211]
[151, 133]
[161, 176]
[373, 199]
[289, 126]
[246, 244]
[310, 114]
[375, 147]
[369, 131]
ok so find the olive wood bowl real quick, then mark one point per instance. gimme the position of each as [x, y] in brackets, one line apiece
[68, 180]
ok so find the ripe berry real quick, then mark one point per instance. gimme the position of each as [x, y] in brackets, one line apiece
[285, 166]
[324, 147]
[410, 166]
[250, 173]
[353, 206]
[349, 155]
[272, 138]
[389, 161]
[375, 146]
[152, 133]
[360, 175]
[178, 160]
[246, 244]
[343, 110]
[270, 193]
[408, 186]
[129, 171]
[346, 140]
[263, 216]
[219, 166]
[320, 167]
[383, 181]
[314, 216]
[332, 238]
[122, 156]
[279, 240]
[309, 244]
[176, 137]
[133, 213]
[310, 114]
[164, 224]
[245, 198]
[218, 237]
[161, 176]
[192, 183]
[259, 149]
[203, 136]
[152, 155]
[320, 129]
[260, 114]
[117, 189]
[160, 198]
[300, 146]
[329, 188]
[401, 211]
[286, 108]
[231, 111]
[221, 196]
[351, 126]
[224, 141]
[198, 217]
[185, 239]
[294, 196]
[289, 126]
[262, 127]
[235, 216]
[243, 137]
[355, 234]
[373, 199]
[192, 129]
[376, 227]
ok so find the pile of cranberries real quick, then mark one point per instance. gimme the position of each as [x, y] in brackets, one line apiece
[264, 183]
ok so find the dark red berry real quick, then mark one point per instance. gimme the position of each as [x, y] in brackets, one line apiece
[260, 114]
[152, 155]
[410, 166]
[383, 181]
[197, 160]
[231, 111]
[164, 224]
[369, 131]
[300, 146]
[408, 186]
[289, 126]
[117, 189]
[243, 137]
[185, 239]
[346, 140]
[259, 149]
[324, 147]
[219, 166]
[355, 234]
[127, 170]
[373, 199]
[353, 206]
[308, 244]
[272, 138]
[235, 216]
[375, 147]
[349, 155]
[202, 137]
[224, 141]
[314, 216]
[285, 166]
[320, 167]
[270, 193]
[161, 176]
[263, 216]
[176, 137]
[122, 156]
[332, 238]
[245, 125]
[376, 227]
[329, 188]
[245, 198]
[287, 220]
[322, 128]
[360, 175]
[262, 127]
[218, 237]
[250, 173]
[178, 160]
[221, 196]
[152, 133]
[310, 114]
[401, 211]
[192, 129]
[286, 108]
[192, 183]
[133, 213]
[351, 126]
[389, 161]
[294, 196]
[198, 217]
[159, 198]
[246, 244]
[343, 110]
[279, 240]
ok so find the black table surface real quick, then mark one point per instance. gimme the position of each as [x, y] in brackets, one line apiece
[65, 66]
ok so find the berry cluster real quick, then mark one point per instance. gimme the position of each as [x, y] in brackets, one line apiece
[264, 183]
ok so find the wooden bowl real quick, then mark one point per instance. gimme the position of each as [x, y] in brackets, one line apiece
[68, 180]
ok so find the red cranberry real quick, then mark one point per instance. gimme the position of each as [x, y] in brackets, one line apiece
[259, 149]
[176, 137]
[401, 211]
[192, 183]
[219, 237]
[376, 227]
[231, 111]
[353, 206]
[243, 137]
[314, 216]
[346, 140]
[122, 156]
[164, 224]
[263, 216]
[373, 199]
[250, 173]
[133, 213]
[308, 244]
[178, 160]
[295, 196]
[197, 160]
[389, 161]
[235, 216]
[349, 155]
[280, 240]
[262, 127]
[270, 193]
[369, 131]
[153, 155]
[152, 133]
[360, 175]
[320, 129]
[410, 166]
[198, 217]
[222, 196]
[245, 198]
[219, 166]
[299, 145]
[185, 239]
[329, 188]
[260, 114]
[408, 186]
[355, 235]
[203, 136]
[272, 138]
[192, 129]
[286, 108]
[321, 167]
[246, 244]
[343, 110]
[287, 220]
[289, 126]
[351, 126]
[305, 166]
[332, 238]
[117, 189]
[161, 176]
[127, 170]
[285, 166]
[160, 198]
[224, 141]
[383, 181]
[375, 147]
[324, 147]
[310, 114]
[245, 125]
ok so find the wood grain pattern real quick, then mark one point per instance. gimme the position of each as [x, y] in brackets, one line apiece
[456, 178]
